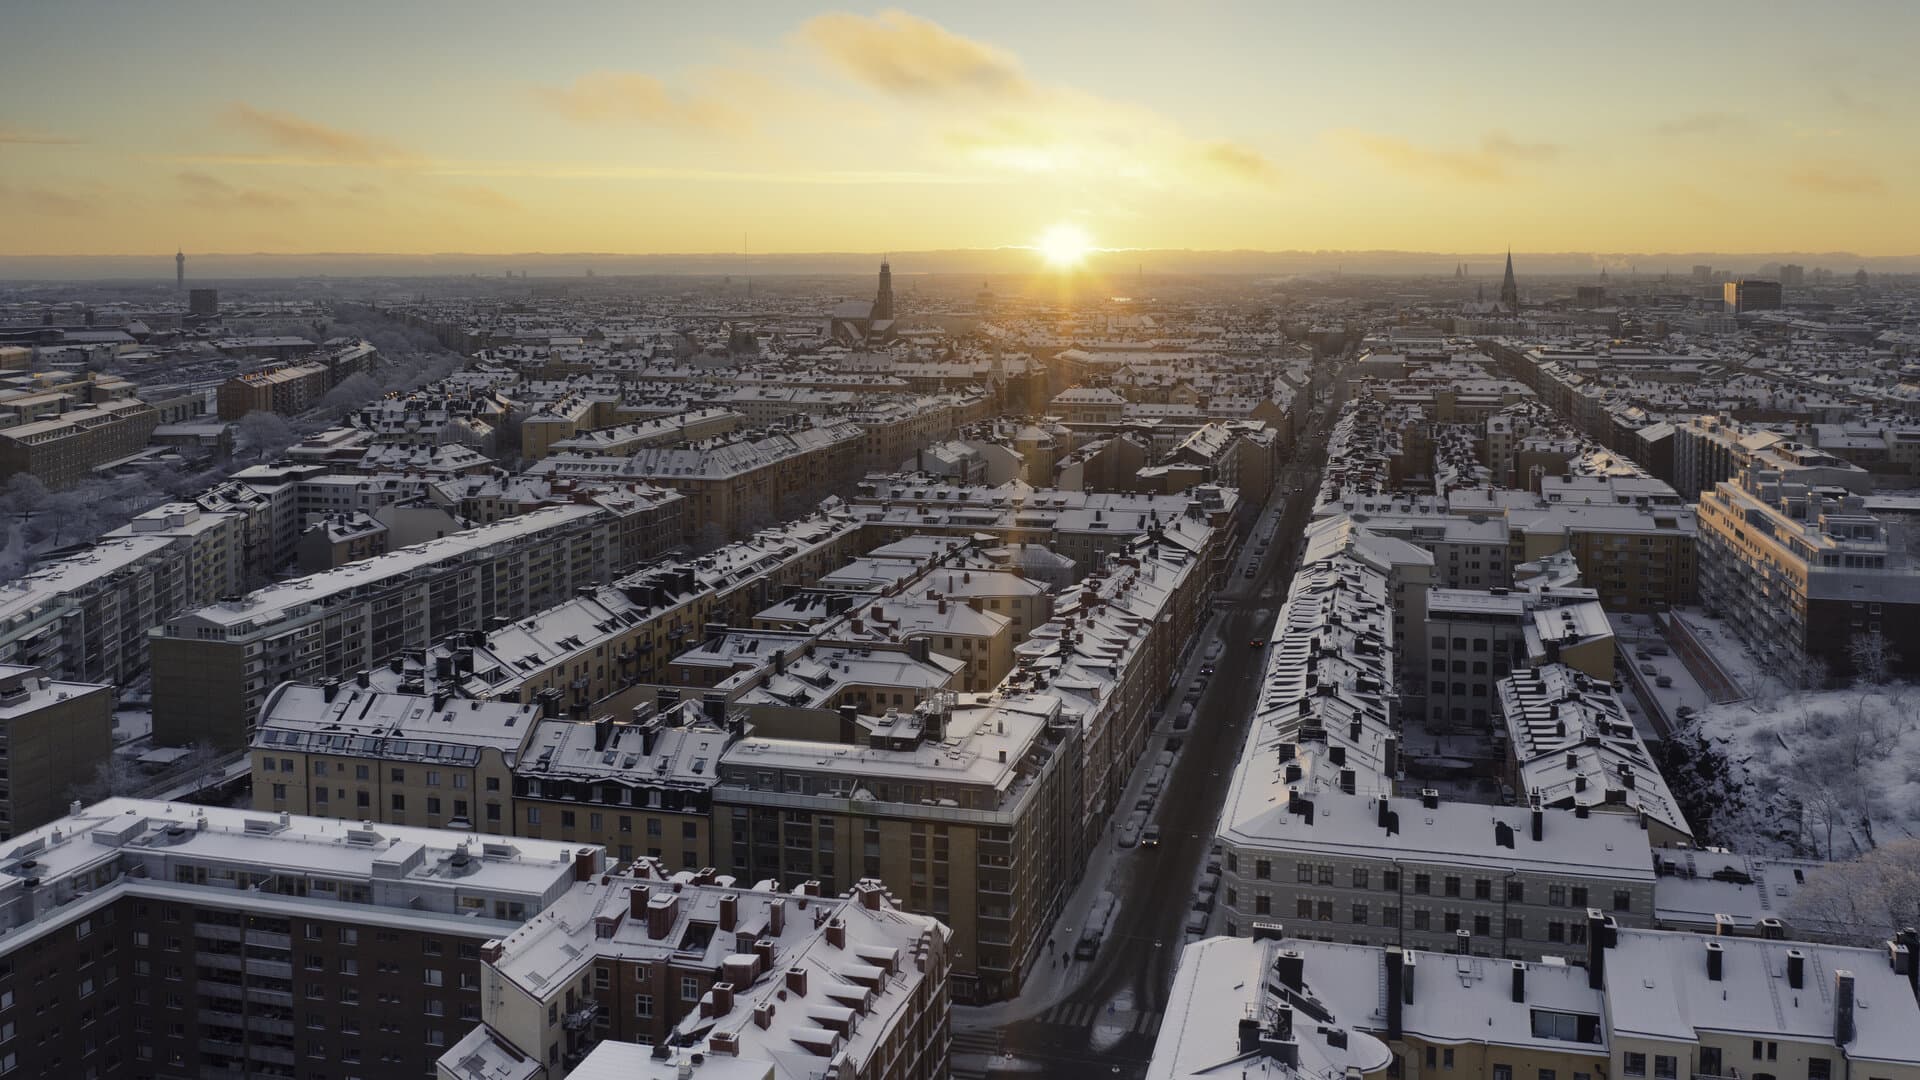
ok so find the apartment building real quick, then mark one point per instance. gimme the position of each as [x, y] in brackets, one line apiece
[1803, 574]
[1570, 743]
[64, 449]
[735, 485]
[981, 640]
[287, 390]
[1314, 831]
[355, 753]
[86, 617]
[214, 666]
[1635, 1004]
[970, 813]
[674, 429]
[54, 735]
[645, 966]
[148, 939]
[641, 787]
[1477, 637]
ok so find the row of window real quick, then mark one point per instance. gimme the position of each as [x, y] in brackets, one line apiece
[1452, 885]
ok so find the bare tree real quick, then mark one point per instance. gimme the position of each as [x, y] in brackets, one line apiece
[1862, 901]
[263, 435]
[1873, 659]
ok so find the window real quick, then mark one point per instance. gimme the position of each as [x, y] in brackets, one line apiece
[1422, 918]
[689, 988]
[1262, 904]
[1666, 1066]
[1359, 878]
[398, 776]
[1422, 884]
[1557, 895]
[1579, 896]
[1483, 925]
[1482, 889]
[1636, 1064]
[1503, 1072]
[1516, 891]
[1390, 880]
[643, 1006]
[1326, 875]
[1547, 1074]
[1303, 908]
[1819, 1069]
[1452, 885]
[1446, 1058]
[1359, 914]
[1622, 900]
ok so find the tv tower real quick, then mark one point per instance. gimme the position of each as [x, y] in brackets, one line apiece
[179, 270]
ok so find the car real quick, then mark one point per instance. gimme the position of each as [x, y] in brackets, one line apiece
[1649, 669]
[1206, 669]
[1174, 745]
[1248, 573]
[1150, 836]
[1657, 650]
[1663, 681]
[1258, 643]
[1684, 711]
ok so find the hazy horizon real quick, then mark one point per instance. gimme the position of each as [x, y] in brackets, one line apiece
[997, 262]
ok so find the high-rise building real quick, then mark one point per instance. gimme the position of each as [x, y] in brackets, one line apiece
[1509, 289]
[203, 302]
[1749, 294]
[147, 938]
[883, 303]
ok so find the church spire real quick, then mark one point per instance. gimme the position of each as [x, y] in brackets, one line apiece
[1509, 289]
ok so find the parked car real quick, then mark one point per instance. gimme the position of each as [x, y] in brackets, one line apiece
[1649, 669]
[1663, 681]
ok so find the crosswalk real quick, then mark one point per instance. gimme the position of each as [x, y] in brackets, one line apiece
[972, 1052]
[1084, 1014]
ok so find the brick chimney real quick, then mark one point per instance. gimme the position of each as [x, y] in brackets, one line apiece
[837, 932]
[637, 901]
[776, 918]
[719, 1000]
[492, 951]
[661, 913]
[763, 1015]
[729, 910]
[797, 981]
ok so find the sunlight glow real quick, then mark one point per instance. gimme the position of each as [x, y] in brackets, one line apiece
[1064, 246]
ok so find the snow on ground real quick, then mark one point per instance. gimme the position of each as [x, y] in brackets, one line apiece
[1827, 773]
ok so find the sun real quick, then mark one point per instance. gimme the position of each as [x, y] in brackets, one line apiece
[1064, 246]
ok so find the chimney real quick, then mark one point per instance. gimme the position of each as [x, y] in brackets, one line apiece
[763, 951]
[637, 901]
[1395, 983]
[763, 1015]
[1292, 968]
[1796, 968]
[1519, 983]
[492, 951]
[729, 910]
[1842, 1007]
[661, 912]
[1539, 817]
[777, 917]
[583, 867]
[1430, 798]
[1409, 967]
[1716, 956]
[1910, 937]
[1461, 939]
[1596, 949]
[837, 932]
[1249, 1034]
[870, 896]
[797, 981]
[720, 1000]
[1722, 925]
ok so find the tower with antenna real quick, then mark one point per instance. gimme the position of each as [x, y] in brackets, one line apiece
[179, 270]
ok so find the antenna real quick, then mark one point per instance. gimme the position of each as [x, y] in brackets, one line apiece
[746, 265]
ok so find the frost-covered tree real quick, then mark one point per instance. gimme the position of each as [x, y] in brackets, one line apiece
[1862, 901]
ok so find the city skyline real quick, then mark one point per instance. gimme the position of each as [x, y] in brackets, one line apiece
[805, 130]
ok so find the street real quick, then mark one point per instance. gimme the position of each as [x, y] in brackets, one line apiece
[1106, 1025]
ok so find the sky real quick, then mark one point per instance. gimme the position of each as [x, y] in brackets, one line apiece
[483, 127]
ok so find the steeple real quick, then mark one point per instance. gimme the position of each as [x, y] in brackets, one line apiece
[883, 303]
[1509, 289]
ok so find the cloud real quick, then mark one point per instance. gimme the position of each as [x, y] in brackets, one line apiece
[908, 56]
[323, 144]
[1499, 144]
[47, 201]
[631, 97]
[212, 193]
[480, 198]
[1238, 162]
[1491, 163]
[27, 137]
[1818, 180]
[1705, 123]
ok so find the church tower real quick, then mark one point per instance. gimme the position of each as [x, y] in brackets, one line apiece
[883, 303]
[1509, 289]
